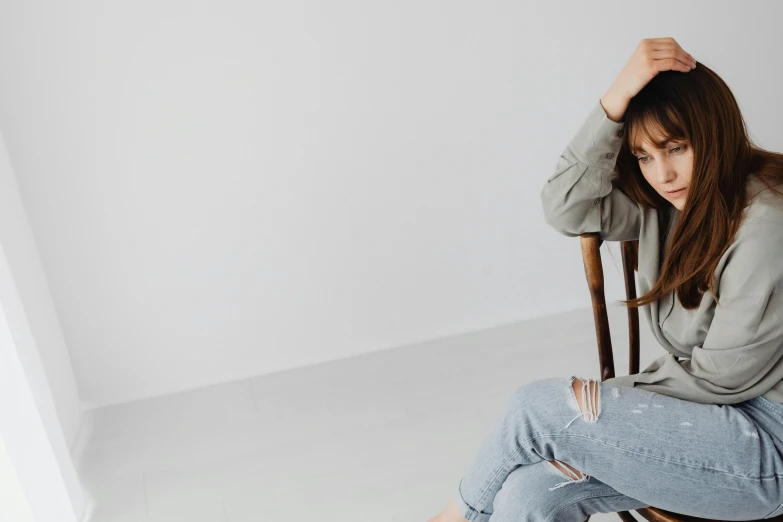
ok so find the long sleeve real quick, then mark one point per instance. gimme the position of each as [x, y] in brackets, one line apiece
[742, 354]
[580, 196]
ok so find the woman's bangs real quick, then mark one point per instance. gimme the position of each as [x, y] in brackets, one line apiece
[649, 129]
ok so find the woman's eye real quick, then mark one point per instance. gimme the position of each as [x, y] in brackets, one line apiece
[642, 158]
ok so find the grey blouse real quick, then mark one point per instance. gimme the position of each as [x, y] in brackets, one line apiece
[716, 355]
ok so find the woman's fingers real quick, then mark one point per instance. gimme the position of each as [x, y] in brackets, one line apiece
[670, 64]
[672, 59]
[650, 57]
[659, 47]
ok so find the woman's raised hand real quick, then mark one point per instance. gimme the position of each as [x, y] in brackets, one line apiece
[651, 56]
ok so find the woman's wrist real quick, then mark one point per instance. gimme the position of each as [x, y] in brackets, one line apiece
[615, 105]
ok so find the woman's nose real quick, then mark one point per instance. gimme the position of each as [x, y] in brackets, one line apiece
[666, 175]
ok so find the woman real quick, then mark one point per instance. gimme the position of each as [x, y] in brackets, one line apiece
[664, 158]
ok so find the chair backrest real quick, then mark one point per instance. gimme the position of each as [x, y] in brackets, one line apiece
[591, 255]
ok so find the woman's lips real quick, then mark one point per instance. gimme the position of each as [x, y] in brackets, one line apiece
[677, 193]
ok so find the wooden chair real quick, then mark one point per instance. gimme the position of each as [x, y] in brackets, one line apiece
[591, 256]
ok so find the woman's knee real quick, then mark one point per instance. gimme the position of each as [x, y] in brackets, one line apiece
[581, 394]
[534, 492]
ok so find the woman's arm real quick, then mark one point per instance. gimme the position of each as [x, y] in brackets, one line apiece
[579, 196]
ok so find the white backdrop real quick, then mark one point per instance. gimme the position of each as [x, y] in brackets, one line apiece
[226, 189]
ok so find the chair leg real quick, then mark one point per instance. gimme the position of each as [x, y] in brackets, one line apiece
[626, 516]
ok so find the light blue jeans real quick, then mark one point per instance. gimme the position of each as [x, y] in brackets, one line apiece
[640, 449]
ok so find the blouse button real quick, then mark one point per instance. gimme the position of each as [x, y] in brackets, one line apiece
[620, 133]
[609, 155]
[596, 201]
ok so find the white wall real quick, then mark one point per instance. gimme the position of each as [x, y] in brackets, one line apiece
[35, 105]
[29, 428]
[226, 189]
[40, 413]
[13, 501]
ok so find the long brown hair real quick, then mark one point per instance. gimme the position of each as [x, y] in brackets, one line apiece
[699, 107]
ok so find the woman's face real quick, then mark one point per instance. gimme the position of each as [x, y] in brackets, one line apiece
[667, 169]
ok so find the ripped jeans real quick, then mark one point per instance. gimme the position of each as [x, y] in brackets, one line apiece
[633, 448]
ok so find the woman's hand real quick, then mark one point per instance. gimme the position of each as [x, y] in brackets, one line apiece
[651, 56]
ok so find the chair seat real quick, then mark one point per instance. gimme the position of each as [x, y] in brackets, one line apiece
[654, 514]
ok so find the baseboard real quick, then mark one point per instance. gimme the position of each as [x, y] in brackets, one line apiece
[77, 450]
[83, 436]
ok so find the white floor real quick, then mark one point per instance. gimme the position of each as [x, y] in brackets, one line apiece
[383, 437]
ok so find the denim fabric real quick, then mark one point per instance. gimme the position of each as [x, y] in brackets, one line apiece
[641, 449]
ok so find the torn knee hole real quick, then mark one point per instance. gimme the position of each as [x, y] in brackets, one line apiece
[574, 476]
[584, 395]
[567, 470]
